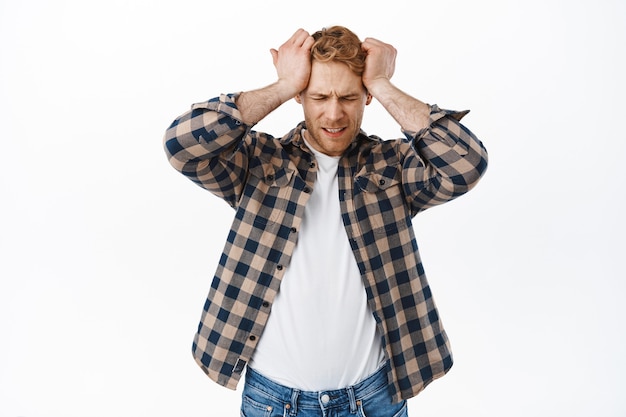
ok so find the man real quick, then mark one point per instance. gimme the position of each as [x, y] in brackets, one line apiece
[320, 293]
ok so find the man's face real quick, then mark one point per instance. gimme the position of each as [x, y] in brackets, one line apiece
[333, 105]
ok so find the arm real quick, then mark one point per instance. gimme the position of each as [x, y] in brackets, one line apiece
[445, 160]
[449, 160]
[293, 66]
[412, 114]
[206, 144]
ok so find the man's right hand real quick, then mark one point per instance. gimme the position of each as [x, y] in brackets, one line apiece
[293, 62]
[293, 66]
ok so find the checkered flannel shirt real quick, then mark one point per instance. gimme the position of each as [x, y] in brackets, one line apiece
[268, 181]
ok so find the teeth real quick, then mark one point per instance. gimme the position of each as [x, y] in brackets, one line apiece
[334, 130]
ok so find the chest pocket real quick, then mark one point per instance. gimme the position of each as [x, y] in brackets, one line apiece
[381, 180]
[267, 193]
[271, 175]
[383, 201]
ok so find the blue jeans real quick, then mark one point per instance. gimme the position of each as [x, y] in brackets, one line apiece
[262, 397]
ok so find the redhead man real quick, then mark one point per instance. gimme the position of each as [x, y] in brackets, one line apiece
[320, 295]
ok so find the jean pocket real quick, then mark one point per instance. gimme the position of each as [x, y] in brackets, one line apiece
[252, 408]
[378, 409]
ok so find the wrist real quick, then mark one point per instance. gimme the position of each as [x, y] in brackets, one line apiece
[379, 87]
[286, 90]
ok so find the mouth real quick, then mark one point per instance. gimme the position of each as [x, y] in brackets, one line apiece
[334, 131]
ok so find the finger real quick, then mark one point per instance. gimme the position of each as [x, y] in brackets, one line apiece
[368, 44]
[300, 37]
[308, 42]
[374, 41]
[371, 43]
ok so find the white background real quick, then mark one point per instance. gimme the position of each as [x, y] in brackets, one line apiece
[106, 253]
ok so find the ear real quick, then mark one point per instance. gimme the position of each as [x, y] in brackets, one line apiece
[369, 99]
[298, 98]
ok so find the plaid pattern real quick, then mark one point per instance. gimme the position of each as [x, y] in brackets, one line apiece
[382, 185]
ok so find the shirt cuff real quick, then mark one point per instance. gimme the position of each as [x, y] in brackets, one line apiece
[225, 104]
[436, 114]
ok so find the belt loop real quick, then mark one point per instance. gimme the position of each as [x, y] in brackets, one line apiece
[351, 397]
[295, 393]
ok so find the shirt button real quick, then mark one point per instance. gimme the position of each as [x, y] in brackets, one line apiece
[307, 190]
[253, 338]
[266, 304]
[279, 267]
[325, 398]
[293, 230]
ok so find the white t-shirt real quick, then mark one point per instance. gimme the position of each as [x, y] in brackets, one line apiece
[321, 334]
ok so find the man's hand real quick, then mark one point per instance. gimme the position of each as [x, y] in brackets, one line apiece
[293, 62]
[293, 66]
[380, 63]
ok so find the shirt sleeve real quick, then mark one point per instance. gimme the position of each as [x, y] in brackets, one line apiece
[449, 160]
[206, 145]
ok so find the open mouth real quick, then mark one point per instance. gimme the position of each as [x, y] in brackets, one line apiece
[334, 131]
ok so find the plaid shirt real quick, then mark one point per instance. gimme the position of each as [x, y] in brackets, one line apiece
[268, 181]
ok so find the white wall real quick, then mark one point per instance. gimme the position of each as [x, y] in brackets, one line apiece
[106, 253]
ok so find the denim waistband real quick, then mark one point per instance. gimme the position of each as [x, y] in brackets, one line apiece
[326, 399]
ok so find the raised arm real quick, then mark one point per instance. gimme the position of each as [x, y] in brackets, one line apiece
[412, 114]
[293, 67]
[205, 143]
[449, 160]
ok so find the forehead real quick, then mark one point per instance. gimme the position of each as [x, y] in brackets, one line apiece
[333, 78]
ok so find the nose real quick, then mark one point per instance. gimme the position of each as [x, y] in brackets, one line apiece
[334, 110]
